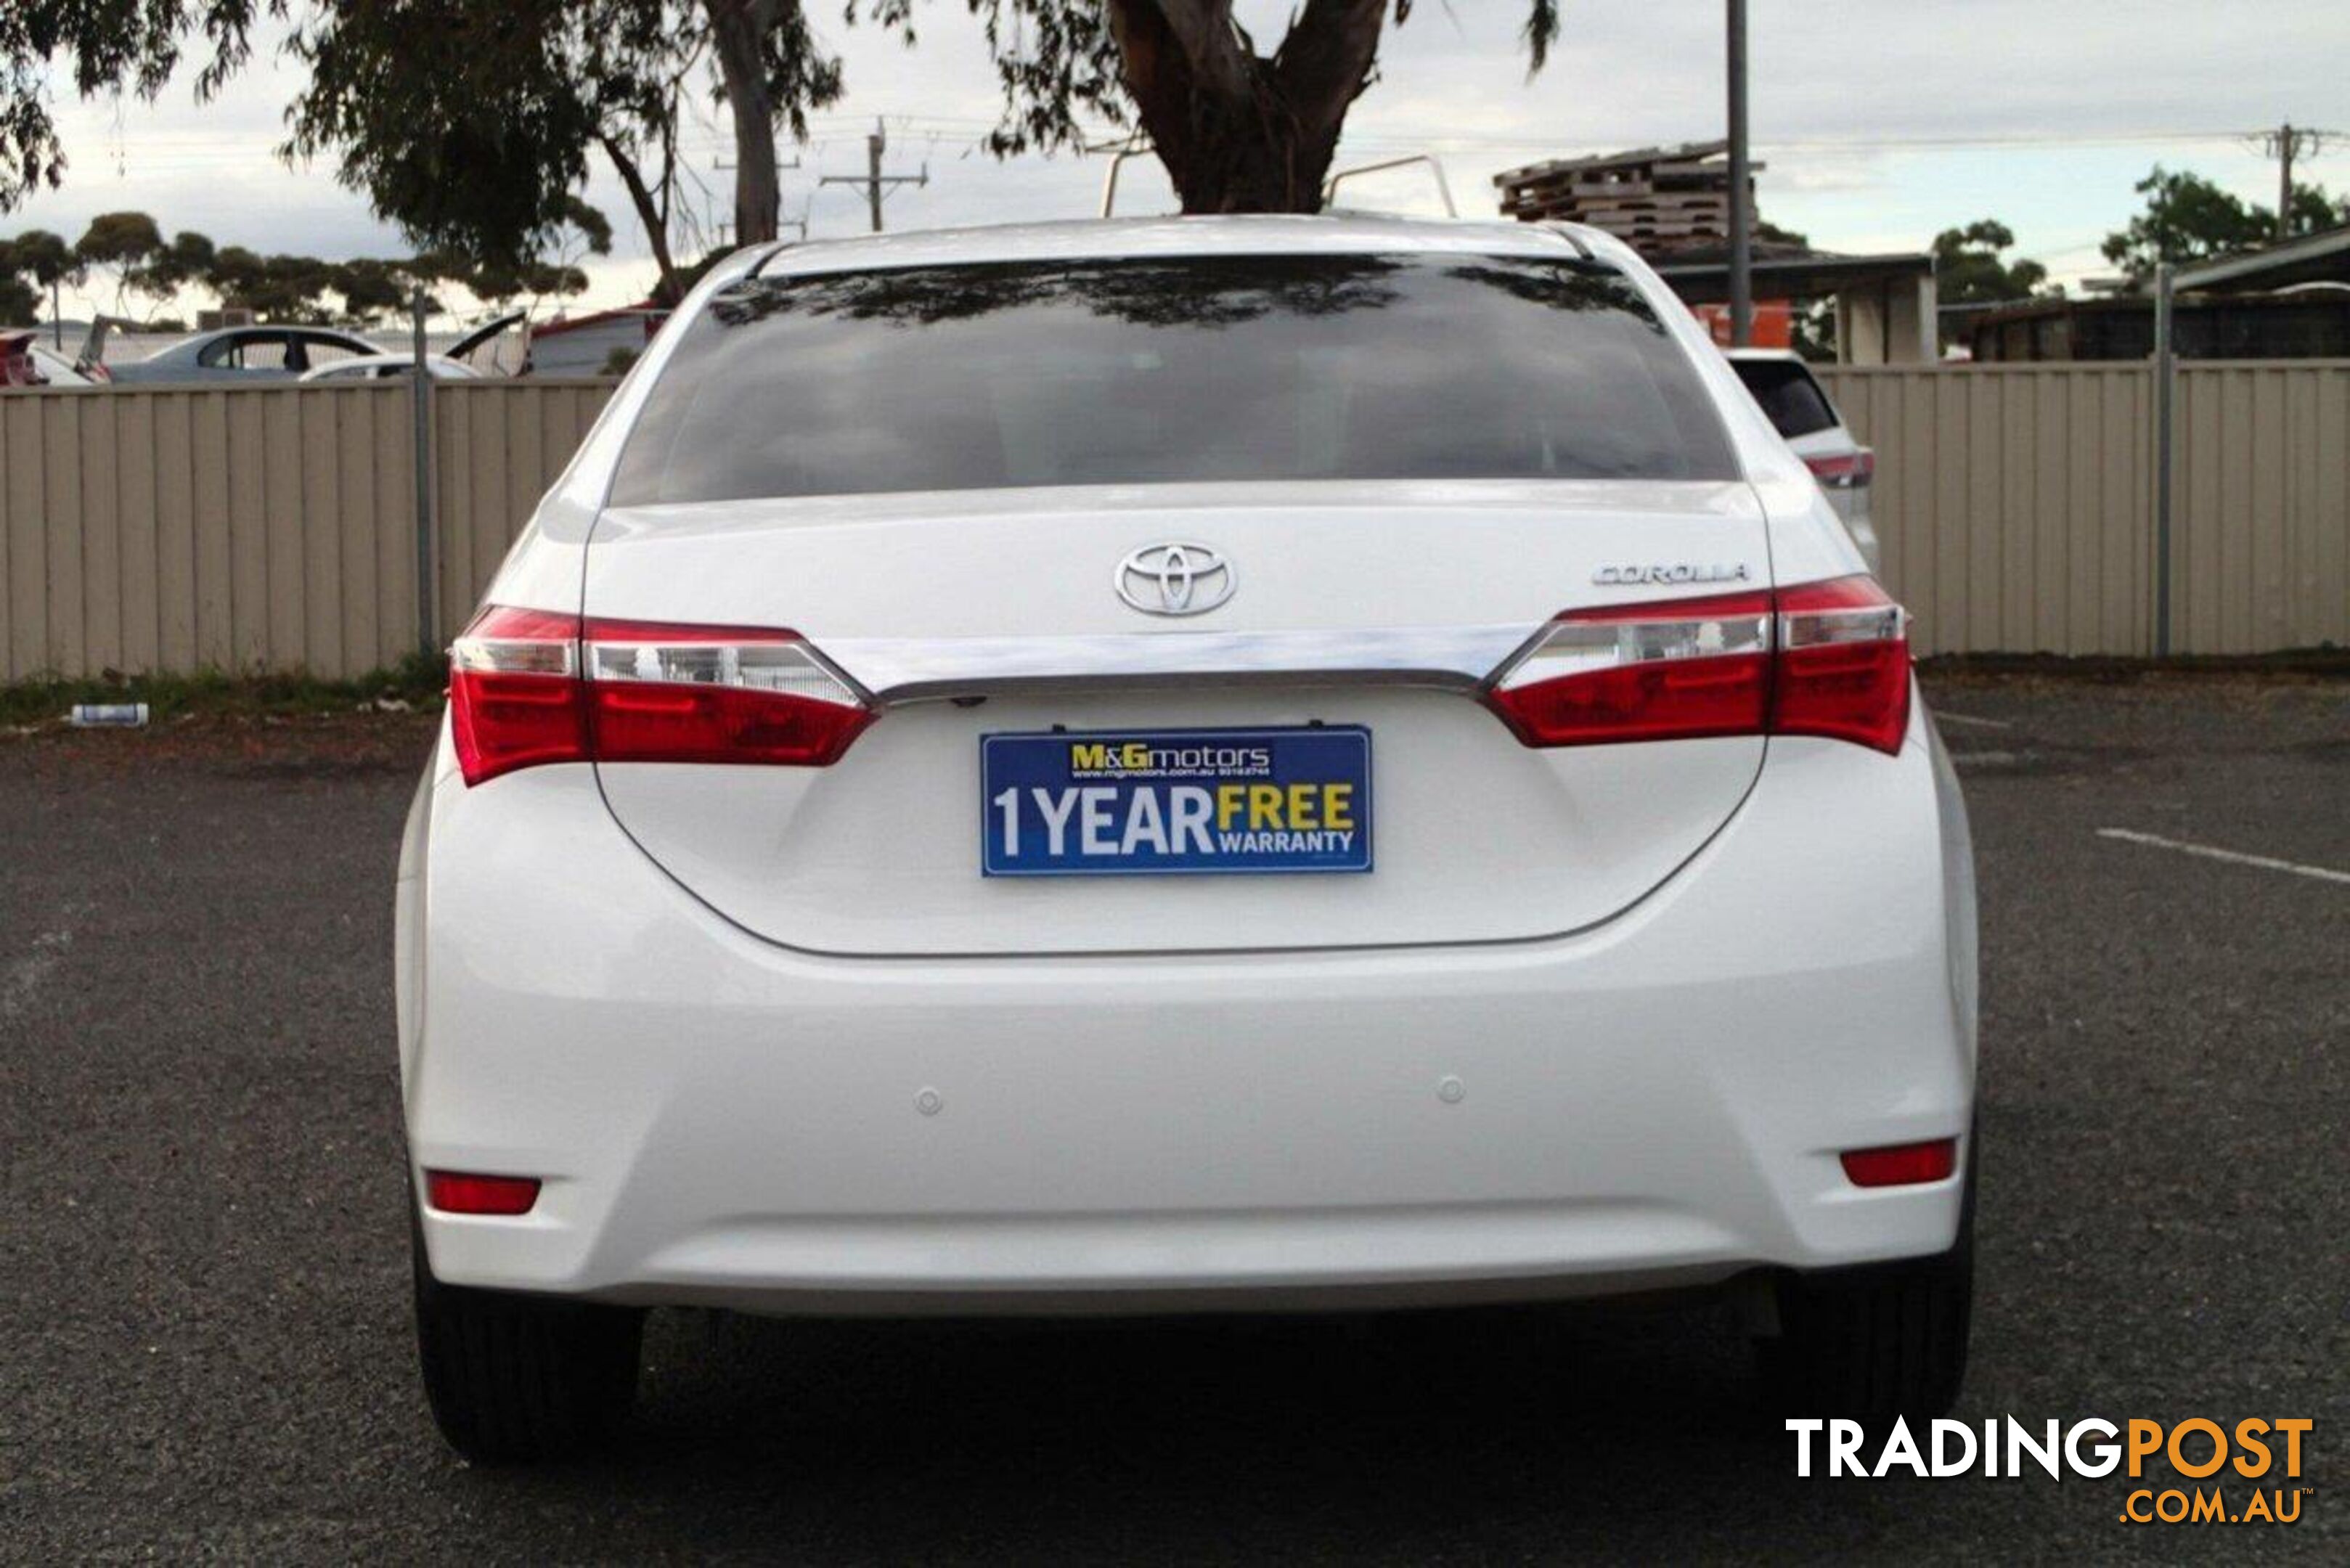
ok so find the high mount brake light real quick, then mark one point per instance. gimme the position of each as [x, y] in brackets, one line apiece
[1822, 658]
[528, 687]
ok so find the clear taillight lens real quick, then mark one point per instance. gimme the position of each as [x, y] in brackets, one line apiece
[1823, 659]
[528, 687]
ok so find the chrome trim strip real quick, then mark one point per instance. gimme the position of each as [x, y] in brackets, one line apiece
[913, 670]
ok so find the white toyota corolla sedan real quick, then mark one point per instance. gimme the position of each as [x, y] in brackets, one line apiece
[1185, 765]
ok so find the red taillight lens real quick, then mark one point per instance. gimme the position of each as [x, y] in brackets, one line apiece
[515, 700]
[1843, 664]
[460, 1192]
[1823, 659]
[528, 687]
[1646, 673]
[660, 693]
[1844, 471]
[1902, 1164]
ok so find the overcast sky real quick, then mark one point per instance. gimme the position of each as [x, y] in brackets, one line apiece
[1879, 123]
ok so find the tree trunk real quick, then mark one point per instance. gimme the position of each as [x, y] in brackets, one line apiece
[1237, 131]
[738, 34]
[653, 214]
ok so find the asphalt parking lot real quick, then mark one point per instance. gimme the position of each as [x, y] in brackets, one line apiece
[205, 1341]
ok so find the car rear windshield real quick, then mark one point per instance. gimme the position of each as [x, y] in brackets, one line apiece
[1788, 394]
[1171, 370]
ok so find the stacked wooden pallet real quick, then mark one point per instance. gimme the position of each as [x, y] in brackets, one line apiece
[1657, 198]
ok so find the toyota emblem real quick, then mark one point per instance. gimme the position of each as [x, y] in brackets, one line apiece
[1176, 578]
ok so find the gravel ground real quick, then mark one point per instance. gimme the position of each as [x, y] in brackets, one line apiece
[205, 1347]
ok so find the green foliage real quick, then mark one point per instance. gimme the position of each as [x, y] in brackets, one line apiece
[107, 45]
[123, 244]
[1970, 268]
[463, 123]
[2190, 218]
[29, 264]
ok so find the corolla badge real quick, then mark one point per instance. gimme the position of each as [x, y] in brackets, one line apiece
[1179, 577]
[1679, 572]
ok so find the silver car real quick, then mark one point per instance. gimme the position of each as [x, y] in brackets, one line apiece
[1801, 409]
[245, 354]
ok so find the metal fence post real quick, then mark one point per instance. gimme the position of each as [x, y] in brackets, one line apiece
[2165, 367]
[428, 639]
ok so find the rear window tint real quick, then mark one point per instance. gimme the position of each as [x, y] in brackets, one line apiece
[1171, 370]
[1788, 394]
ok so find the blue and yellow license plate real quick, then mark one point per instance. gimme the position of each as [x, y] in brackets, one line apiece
[1176, 801]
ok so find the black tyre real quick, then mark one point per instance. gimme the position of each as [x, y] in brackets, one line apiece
[515, 1378]
[1877, 1343]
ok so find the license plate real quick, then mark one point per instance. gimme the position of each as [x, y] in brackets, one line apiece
[1176, 801]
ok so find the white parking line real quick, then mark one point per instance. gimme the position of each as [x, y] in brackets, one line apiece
[1969, 718]
[2208, 852]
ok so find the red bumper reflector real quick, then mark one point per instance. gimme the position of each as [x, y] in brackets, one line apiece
[1902, 1164]
[457, 1192]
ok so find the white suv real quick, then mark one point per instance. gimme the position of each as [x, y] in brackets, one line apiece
[1799, 408]
[1182, 766]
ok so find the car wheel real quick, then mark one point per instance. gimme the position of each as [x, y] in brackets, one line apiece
[514, 1378]
[1877, 1343]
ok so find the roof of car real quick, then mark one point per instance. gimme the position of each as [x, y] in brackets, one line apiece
[1779, 354]
[198, 342]
[1120, 238]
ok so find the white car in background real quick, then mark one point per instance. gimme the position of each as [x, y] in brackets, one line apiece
[388, 367]
[1801, 410]
[1182, 766]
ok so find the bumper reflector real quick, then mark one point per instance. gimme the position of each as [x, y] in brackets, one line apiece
[459, 1193]
[1902, 1164]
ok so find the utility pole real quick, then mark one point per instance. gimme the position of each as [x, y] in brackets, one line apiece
[2284, 144]
[2284, 183]
[876, 182]
[1741, 189]
[419, 392]
[726, 229]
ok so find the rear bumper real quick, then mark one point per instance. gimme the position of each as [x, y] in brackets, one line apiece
[1659, 1102]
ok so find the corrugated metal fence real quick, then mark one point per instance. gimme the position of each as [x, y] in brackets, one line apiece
[2016, 504]
[273, 528]
[247, 528]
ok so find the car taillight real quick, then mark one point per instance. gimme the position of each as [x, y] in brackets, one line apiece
[715, 694]
[1822, 658]
[1842, 666]
[1844, 470]
[1643, 672]
[514, 697]
[528, 687]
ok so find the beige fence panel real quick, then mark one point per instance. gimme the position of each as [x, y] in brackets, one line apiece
[178, 529]
[187, 528]
[498, 446]
[2014, 503]
[2261, 506]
